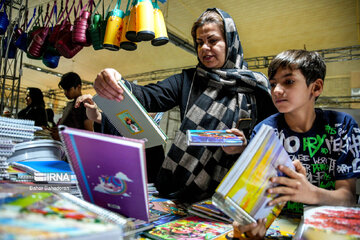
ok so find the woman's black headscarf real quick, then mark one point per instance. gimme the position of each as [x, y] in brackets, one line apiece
[233, 92]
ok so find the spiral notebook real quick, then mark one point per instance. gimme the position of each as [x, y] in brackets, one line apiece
[111, 170]
[27, 214]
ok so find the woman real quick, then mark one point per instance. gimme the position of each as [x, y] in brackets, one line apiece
[214, 95]
[35, 109]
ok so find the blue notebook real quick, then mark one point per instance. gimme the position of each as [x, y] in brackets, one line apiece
[43, 166]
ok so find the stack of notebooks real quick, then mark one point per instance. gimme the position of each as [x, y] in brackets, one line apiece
[207, 210]
[46, 215]
[57, 173]
[13, 131]
[190, 227]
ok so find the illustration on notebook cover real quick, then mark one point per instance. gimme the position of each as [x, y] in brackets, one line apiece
[111, 170]
[129, 122]
[116, 185]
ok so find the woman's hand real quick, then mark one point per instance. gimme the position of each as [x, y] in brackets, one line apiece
[251, 231]
[106, 84]
[295, 187]
[236, 149]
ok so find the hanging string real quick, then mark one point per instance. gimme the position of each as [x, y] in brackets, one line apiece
[46, 15]
[118, 4]
[103, 9]
[62, 13]
[55, 13]
[61, 7]
[127, 6]
[108, 8]
[37, 19]
[33, 16]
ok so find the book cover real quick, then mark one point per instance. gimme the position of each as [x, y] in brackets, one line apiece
[206, 209]
[131, 119]
[55, 166]
[242, 193]
[45, 215]
[111, 171]
[189, 228]
[212, 138]
[330, 221]
[283, 227]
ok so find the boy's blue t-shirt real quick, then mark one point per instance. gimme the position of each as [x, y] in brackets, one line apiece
[329, 151]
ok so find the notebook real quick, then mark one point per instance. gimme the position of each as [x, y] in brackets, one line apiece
[191, 227]
[131, 119]
[111, 170]
[55, 166]
[212, 138]
[242, 194]
[329, 222]
[47, 215]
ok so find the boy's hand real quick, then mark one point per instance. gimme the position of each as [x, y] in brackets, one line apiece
[106, 84]
[252, 231]
[236, 149]
[87, 100]
[92, 112]
[295, 187]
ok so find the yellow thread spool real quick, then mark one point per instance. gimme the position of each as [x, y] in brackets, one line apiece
[144, 20]
[131, 29]
[113, 30]
[124, 42]
[161, 36]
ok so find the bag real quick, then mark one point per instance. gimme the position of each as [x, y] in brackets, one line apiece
[37, 45]
[95, 28]
[4, 20]
[11, 49]
[34, 30]
[51, 57]
[64, 44]
[81, 24]
[95, 32]
[20, 39]
[39, 41]
[54, 35]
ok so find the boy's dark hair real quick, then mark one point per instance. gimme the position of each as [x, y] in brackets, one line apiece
[69, 80]
[311, 64]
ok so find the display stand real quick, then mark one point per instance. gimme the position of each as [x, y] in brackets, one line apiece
[11, 66]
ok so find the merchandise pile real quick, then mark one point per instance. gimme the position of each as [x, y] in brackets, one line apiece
[13, 131]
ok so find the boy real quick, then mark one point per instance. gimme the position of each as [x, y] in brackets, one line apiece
[326, 143]
[74, 117]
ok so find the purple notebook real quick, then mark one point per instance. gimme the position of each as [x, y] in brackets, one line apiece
[111, 170]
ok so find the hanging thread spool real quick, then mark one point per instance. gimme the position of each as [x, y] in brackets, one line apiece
[161, 36]
[144, 20]
[113, 28]
[125, 43]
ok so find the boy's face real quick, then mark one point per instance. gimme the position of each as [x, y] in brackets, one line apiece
[290, 93]
[73, 92]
